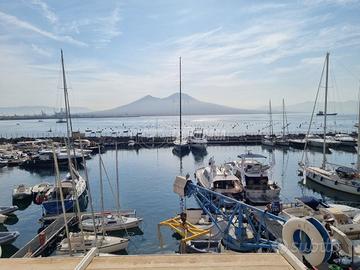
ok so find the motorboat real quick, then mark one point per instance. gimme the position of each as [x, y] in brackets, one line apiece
[254, 175]
[7, 238]
[21, 192]
[3, 162]
[45, 159]
[105, 244]
[345, 139]
[343, 220]
[198, 140]
[39, 192]
[110, 222]
[321, 113]
[52, 203]
[7, 210]
[220, 179]
[41, 188]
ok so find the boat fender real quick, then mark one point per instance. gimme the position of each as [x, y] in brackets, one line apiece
[307, 237]
[336, 182]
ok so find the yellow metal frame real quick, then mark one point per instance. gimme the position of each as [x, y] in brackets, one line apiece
[188, 231]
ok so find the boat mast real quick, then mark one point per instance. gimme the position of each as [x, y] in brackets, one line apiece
[283, 112]
[180, 100]
[271, 121]
[101, 193]
[66, 99]
[325, 109]
[358, 139]
[117, 179]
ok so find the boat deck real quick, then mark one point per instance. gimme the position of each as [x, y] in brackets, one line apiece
[253, 261]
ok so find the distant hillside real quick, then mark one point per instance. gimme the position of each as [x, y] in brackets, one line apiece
[341, 107]
[36, 110]
[150, 105]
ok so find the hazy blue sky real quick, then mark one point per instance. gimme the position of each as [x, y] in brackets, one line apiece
[237, 53]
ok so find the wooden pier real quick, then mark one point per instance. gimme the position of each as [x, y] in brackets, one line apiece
[248, 261]
[35, 247]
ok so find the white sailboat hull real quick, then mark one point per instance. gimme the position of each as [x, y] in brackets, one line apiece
[107, 244]
[319, 176]
[115, 224]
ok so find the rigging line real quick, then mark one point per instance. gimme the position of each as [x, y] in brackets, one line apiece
[313, 110]
[112, 192]
[357, 77]
[108, 178]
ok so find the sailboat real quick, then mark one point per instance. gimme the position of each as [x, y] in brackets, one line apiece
[282, 140]
[73, 186]
[342, 178]
[112, 221]
[269, 140]
[181, 145]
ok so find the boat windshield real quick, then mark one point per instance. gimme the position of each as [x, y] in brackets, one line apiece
[224, 184]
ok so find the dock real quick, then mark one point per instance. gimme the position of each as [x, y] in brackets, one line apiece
[35, 247]
[249, 261]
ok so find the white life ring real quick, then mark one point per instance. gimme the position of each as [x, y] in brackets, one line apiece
[307, 237]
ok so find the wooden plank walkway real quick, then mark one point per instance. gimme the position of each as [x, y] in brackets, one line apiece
[248, 261]
[34, 248]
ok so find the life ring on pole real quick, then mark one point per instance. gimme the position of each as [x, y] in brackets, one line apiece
[307, 237]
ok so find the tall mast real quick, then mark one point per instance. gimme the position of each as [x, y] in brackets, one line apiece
[180, 99]
[271, 122]
[283, 118]
[358, 139]
[65, 98]
[101, 193]
[325, 109]
[117, 179]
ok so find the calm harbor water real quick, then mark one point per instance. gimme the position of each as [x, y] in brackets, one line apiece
[213, 125]
[146, 179]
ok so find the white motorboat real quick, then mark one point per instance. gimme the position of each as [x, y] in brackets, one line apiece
[345, 139]
[220, 179]
[21, 192]
[344, 220]
[41, 188]
[198, 139]
[105, 244]
[259, 189]
[110, 222]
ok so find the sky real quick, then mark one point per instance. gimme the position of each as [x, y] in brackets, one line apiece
[235, 53]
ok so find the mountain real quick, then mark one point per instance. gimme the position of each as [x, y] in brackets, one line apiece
[341, 107]
[150, 105]
[36, 110]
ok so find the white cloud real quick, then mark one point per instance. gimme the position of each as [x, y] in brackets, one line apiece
[41, 51]
[47, 12]
[14, 21]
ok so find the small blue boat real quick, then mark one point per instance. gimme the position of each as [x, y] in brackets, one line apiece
[52, 202]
